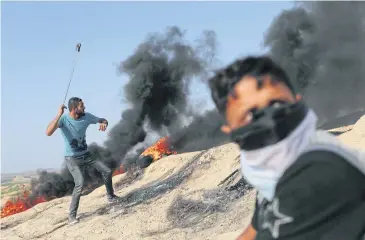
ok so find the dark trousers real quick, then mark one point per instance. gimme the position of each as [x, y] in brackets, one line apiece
[76, 166]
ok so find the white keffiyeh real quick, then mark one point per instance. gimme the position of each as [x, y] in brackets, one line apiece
[263, 167]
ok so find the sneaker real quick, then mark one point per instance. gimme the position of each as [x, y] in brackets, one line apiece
[113, 199]
[72, 220]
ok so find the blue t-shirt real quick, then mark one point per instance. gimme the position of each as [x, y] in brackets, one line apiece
[74, 133]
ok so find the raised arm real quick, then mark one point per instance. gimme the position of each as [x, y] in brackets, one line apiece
[54, 124]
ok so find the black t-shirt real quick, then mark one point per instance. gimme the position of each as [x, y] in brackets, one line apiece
[321, 196]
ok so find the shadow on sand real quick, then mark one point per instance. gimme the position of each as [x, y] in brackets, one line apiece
[346, 120]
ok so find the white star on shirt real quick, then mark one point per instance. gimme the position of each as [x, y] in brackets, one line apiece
[280, 219]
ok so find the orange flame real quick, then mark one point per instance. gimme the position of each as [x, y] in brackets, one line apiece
[119, 170]
[20, 204]
[156, 151]
[159, 149]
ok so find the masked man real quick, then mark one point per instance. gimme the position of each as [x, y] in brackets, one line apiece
[309, 185]
[73, 128]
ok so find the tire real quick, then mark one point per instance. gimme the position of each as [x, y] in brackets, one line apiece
[144, 161]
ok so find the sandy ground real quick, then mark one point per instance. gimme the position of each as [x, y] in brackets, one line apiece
[146, 220]
[148, 202]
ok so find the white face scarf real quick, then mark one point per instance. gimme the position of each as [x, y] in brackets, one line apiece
[262, 168]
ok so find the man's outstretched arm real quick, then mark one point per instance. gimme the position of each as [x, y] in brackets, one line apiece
[54, 124]
[94, 120]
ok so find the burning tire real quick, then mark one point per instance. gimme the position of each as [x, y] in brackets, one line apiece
[144, 161]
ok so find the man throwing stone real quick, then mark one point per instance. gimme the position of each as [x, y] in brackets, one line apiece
[73, 128]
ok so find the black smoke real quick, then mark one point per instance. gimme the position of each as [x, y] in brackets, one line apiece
[159, 74]
[202, 133]
[321, 45]
[52, 184]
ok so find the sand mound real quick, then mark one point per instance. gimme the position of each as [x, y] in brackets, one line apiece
[343, 121]
[176, 198]
[355, 137]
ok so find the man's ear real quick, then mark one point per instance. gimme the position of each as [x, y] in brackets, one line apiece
[226, 129]
[298, 97]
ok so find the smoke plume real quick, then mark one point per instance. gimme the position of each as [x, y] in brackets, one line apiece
[202, 133]
[321, 45]
[159, 72]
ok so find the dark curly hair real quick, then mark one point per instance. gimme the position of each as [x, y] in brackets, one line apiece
[73, 103]
[222, 84]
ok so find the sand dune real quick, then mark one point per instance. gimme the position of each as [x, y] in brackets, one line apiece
[176, 198]
[144, 214]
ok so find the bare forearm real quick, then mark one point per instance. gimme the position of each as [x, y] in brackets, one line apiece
[248, 234]
[53, 125]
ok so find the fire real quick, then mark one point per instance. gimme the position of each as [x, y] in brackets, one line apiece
[159, 149]
[156, 151]
[20, 204]
[119, 170]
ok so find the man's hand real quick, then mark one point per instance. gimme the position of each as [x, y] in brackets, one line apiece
[61, 110]
[248, 234]
[103, 126]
